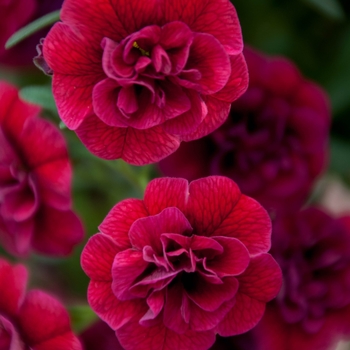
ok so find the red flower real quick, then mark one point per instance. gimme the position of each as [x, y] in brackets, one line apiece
[274, 144]
[185, 263]
[35, 177]
[312, 310]
[135, 78]
[32, 320]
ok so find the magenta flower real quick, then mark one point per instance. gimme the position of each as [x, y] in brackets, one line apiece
[185, 263]
[35, 178]
[135, 78]
[312, 310]
[274, 144]
[16, 14]
[31, 320]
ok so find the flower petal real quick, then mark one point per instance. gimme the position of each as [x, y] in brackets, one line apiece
[98, 256]
[138, 147]
[217, 113]
[209, 297]
[147, 231]
[118, 221]
[15, 278]
[202, 320]
[262, 280]
[166, 192]
[188, 121]
[216, 17]
[238, 81]
[244, 315]
[132, 336]
[250, 223]
[111, 310]
[51, 238]
[234, 259]
[210, 201]
[77, 68]
[209, 57]
[65, 341]
[128, 265]
[42, 317]
[94, 20]
[173, 316]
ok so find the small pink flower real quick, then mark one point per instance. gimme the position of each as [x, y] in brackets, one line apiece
[312, 310]
[135, 78]
[35, 178]
[274, 143]
[31, 320]
[187, 262]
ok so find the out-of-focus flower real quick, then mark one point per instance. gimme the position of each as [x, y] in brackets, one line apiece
[135, 78]
[31, 320]
[35, 179]
[16, 14]
[312, 310]
[274, 143]
[185, 263]
[100, 336]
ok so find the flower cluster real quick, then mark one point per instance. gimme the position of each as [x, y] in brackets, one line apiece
[134, 80]
[185, 263]
[35, 180]
[188, 266]
[274, 143]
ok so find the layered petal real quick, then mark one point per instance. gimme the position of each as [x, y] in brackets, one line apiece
[207, 209]
[159, 337]
[119, 220]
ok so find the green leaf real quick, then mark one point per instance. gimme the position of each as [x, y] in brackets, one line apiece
[40, 95]
[329, 8]
[32, 28]
[81, 317]
[340, 155]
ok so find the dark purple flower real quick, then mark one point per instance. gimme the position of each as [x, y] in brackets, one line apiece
[274, 143]
[312, 310]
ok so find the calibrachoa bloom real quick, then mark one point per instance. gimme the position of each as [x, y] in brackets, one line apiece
[35, 179]
[312, 310]
[16, 14]
[31, 320]
[274, 143]
[135, 78]
[185, 263]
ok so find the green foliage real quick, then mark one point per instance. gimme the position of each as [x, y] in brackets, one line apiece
[81, 317]
[40, 95]
[32, 28]
[330, 8]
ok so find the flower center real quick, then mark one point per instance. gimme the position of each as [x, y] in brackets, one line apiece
[143, 52]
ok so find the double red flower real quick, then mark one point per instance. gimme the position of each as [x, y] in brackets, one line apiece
[135, 78]
[185, 263]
